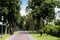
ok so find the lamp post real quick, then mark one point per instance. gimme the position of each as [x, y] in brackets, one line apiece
[2, 18]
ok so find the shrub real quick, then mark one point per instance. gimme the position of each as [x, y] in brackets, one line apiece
[58, 33]
[49, 28]
[41, 31]
[52, 30]
[57, 22]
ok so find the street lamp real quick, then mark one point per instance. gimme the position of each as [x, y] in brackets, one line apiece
[2, 18]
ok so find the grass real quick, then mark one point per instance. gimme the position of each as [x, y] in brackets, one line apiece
[43, 37]
[4, 37]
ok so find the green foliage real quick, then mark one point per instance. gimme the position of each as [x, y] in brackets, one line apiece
[41, 31]
[14, 10]
[10, 9]
[22, 20]
[42, 9]
[52, 29]
[57, 22]
[58, 33]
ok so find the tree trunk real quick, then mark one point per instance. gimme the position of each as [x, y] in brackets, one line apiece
[6, 29]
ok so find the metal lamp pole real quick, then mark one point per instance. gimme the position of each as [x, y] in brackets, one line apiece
[2, 26]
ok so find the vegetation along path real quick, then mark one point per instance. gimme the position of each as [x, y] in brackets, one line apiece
[21, 35]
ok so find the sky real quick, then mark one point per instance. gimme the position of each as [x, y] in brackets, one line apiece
[57, 9]
[57, 14]
[23, 7]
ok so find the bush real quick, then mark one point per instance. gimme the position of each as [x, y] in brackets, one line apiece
[48, 28]
[52, 30]
[41, 31]
[57, 22]
[58, 33]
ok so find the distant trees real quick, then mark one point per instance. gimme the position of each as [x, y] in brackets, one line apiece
[21, 25]
[29, 22]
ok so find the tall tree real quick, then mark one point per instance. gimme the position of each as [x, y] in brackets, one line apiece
[42, 9]
[14, 10]
[10, 9]
[3, 11]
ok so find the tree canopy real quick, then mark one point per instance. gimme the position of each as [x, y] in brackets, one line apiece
[42, 10]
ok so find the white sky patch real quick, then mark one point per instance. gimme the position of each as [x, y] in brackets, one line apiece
[23, 13]
[57, 9]
[23, 7]
[57, 14]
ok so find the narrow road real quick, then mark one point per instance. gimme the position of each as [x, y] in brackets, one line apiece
[21, 35]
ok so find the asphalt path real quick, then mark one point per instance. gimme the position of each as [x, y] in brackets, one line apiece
[21, 35]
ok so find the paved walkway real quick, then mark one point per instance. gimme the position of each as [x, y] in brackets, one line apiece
[21, 35]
